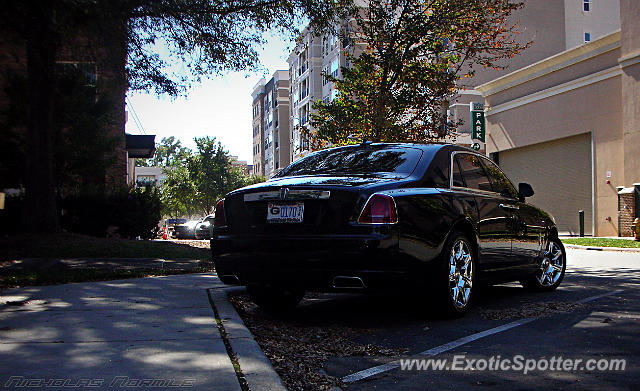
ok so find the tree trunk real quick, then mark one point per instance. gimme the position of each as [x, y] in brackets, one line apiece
[40, 212]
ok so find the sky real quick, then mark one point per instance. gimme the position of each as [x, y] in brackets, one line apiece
[219, 106]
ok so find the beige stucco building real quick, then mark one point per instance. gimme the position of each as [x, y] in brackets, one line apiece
[551, 27]
[569, 124]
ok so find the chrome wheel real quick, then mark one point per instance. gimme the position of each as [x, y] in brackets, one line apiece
[460, 273]
[551, 266]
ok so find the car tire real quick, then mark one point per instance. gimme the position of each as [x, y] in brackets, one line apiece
[455, 278]
[275, 299]
[550, 273]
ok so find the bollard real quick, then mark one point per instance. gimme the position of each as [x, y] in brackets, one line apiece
[581, 217]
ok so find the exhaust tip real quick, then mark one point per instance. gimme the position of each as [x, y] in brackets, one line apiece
[348, 282]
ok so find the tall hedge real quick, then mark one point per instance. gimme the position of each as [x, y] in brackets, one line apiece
[127, 213]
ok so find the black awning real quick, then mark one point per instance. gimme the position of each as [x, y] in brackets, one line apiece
[141, 146]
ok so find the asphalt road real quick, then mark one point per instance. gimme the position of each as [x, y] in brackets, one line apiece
[575, 322]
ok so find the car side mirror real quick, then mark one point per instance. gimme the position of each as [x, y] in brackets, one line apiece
[525, 190]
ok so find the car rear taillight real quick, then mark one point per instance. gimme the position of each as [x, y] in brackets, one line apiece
[219, 219]
[380, 209]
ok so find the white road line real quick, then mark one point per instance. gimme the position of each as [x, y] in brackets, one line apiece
[596, 297]
[433, 351]
[354, 377]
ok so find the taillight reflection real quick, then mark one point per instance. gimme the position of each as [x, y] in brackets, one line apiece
[380, 209]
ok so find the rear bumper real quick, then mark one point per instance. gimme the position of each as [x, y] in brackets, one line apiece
[184, 234]
[369, 261]
[203, 234]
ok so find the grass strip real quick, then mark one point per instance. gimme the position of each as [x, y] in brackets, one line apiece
[602, 242]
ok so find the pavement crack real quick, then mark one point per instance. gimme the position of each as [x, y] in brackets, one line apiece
[242, 380]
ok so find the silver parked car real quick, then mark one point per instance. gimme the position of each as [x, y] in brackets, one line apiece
[203, 228]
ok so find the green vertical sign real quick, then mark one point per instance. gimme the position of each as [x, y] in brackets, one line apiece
[477, 122]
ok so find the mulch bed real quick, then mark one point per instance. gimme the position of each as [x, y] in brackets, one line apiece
[298, 351]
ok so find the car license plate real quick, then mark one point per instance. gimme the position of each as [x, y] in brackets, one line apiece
[285, 213]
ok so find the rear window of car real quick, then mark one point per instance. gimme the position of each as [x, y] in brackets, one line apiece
[371, 160]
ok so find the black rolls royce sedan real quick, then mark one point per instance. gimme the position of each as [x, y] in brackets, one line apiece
[436, 218]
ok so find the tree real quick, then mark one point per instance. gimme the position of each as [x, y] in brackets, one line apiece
[254, 179]
[412, 55]
[178, 193]
[204, 37]
[169, 153]
[211, 171]
[194, 186]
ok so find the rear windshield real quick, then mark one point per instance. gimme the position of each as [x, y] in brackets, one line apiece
[371, 160]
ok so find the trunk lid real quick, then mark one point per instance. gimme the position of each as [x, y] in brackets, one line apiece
[330, 203]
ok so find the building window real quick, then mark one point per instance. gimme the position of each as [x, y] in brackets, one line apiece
[325, 73]
[146, 180]
[334, 67]
[587, 37]
[586, 5]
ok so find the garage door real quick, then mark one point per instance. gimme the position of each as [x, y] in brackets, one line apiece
[560, 173]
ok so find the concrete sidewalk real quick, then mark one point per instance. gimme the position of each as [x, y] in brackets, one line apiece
[44, 264]
[148, 333]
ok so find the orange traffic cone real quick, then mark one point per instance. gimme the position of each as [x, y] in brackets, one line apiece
[164, 233]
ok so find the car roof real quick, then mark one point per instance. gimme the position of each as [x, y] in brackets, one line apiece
[432, 145]
[423, 146]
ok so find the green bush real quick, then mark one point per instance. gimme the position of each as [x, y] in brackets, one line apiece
[128, 214]
[11, 214]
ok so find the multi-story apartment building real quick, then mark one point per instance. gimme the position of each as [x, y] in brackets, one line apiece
[257, 110]
[271, 124]
[241, 164]
[313, 57]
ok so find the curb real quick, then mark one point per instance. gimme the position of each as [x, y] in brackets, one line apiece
[578, 247]
[254, 365]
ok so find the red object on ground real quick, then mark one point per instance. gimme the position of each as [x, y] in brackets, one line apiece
[164, 233]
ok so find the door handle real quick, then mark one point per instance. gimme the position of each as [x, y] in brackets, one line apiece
[506, 206]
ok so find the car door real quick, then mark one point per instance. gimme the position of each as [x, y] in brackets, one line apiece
[527, 239]
[495, 215]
